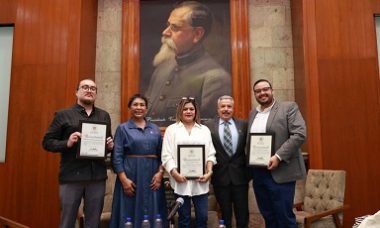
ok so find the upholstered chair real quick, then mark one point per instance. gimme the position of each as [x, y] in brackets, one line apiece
[323, 205]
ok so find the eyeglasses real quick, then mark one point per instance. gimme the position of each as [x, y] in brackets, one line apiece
[265, 89]
[89, 88]
[176, 28]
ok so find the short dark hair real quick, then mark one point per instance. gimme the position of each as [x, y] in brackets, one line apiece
[134, 97]
[86, 79]
[261, 80]
[200, 16]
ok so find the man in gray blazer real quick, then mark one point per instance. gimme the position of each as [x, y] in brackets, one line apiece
[274, 185]
[230, 174]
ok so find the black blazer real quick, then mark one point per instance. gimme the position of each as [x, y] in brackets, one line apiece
[229, 169]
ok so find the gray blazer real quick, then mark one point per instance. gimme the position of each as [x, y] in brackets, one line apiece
[286, 122]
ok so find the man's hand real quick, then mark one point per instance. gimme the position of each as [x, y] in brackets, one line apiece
[74, 137]
[109, 143]
[273, 162]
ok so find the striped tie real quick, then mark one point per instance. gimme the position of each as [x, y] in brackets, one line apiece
[227, 139]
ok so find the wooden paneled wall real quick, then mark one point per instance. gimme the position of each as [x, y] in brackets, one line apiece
[337, 84]
[336, 81]
[54, 47]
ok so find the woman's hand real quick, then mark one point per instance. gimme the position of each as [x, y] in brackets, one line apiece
[177, 176]
[206, 177]
[129, 187]
[156, 180]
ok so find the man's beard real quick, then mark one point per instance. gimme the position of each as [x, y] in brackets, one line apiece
[167, 51]
[266, 103]
[87, 102]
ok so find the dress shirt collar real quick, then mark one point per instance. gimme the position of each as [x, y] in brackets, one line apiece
[81, 109]
[221, 121]
[131, 124]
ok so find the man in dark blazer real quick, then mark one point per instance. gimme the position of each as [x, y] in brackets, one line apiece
[274, 185]
[230, 174]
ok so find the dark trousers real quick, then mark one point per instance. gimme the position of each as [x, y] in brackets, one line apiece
[274, 200]
[235, 197]
[70, 195]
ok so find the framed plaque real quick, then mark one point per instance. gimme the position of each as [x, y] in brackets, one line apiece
[260, 149]
[92, 143]
[191, 160]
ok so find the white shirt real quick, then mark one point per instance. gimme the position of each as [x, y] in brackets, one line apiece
[177, 134]
[259, 124]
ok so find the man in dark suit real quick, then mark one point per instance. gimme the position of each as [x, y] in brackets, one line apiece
[274, 185]
[230, 176]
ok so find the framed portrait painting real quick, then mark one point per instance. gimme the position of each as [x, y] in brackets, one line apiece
[217, 63]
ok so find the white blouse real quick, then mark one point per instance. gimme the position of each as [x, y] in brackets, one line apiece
[177, 134]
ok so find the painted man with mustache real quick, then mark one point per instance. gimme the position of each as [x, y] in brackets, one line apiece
[184, 68]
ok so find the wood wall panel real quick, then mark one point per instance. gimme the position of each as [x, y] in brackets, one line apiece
[8, 11]
[306, 76]
[337, 71]
[376, 7]
[54, 46]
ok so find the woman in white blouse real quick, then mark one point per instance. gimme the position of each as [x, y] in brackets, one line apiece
[188, 131]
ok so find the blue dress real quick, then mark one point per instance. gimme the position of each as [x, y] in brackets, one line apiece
[131, 140]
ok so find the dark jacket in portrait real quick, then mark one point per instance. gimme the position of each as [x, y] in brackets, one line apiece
[195, 74]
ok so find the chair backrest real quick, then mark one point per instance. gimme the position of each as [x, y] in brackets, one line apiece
[324, 189]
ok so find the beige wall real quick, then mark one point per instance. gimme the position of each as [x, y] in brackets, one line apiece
[271, 54]
[271, 51]
[108, 58]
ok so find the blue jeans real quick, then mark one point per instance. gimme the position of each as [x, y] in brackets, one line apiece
[201, 209]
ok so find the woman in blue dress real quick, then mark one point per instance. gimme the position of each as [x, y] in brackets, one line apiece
[137, 161]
